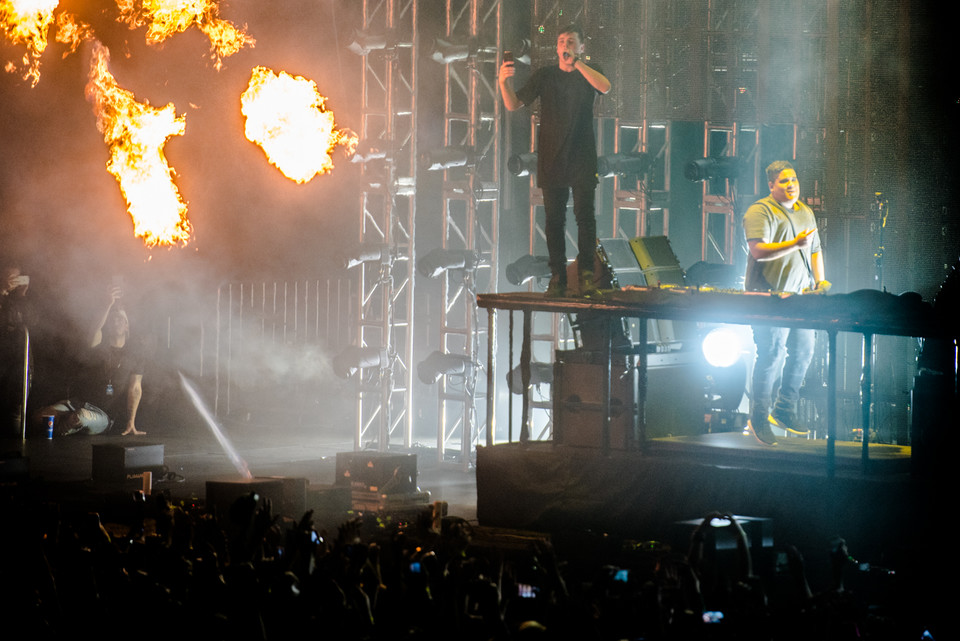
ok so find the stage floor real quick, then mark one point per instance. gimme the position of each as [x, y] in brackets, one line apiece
[194, 456]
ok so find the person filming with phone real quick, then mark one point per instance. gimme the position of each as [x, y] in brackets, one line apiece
[110, 391]
[566, 150]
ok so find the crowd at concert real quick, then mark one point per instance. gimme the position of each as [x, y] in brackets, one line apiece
[163, 568]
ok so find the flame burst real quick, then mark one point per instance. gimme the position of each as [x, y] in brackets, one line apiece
[164, 18]
[135, 134]
[72, 31]
[27, 22]
[287, 118]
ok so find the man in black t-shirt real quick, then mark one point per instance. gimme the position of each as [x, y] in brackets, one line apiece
[566, 150]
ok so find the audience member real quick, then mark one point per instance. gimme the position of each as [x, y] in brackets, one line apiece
[111, 385]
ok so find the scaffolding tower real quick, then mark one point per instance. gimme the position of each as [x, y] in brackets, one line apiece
[383, 351]
[467, 259]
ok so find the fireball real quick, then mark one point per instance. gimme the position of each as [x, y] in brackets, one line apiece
[71, 32]
[287, 117]
[135, 134]
[163, 18]
[27, 22]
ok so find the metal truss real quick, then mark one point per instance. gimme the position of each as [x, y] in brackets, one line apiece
[389, 45]
[470, 54]
[720, 210]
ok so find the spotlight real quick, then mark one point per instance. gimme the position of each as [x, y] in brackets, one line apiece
[447, 158]
[521, 52]
[527, 268]
[522, 164]
[540, 373]
[367, 154]
[446, 52]
[364, 42]
[440, 260]
[439, 364]
[486, 191]
[716, 167]
[368, 253]
[725, 368]
[631, 164]
[721, 347]
[354, 358]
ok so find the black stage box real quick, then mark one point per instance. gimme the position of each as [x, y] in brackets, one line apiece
[380, 472]
[113, 463]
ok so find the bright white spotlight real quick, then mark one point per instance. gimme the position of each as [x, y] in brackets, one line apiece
[721, 347]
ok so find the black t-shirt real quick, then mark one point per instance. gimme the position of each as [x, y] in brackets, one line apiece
[566, 146]
[107, 378]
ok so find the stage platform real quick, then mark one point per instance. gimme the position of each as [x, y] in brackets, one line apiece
[644, 496]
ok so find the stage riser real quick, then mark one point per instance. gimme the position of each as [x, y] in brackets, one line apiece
[554, 489]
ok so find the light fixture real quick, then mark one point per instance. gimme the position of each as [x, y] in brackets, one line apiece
[635, 163]
[438, 364]
[439, 260]
[368, 253]
[446, 52]
[354, 358]
[522, 164]
[724, 349]
[447, 158]
[367, 154]
[716, 167]
[521, 52]
[540, 374]
[363, 42]
[527, 268]
[721, 347]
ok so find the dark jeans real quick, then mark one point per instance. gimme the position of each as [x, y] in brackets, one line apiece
[783, 354]
[555, 208]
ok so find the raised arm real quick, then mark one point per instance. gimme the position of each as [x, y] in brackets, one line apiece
[596, 79]
[505, 78]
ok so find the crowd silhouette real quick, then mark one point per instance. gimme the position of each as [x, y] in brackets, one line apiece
[163, 568]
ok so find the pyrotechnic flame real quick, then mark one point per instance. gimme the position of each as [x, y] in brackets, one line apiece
[287, 118]
[163, 18]
[27, 22]
[135, 134]
[72, 31]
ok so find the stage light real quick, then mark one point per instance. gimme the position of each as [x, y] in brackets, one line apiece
[526, 268]
[708, 168]
[439, 260]
[540, 373]
[522, 164]
[364, 42]
[367, 154]
[368, 253]
[630, 164]
[446, 52]
[725, 351]
[485, 192]
[352, 359]
[439, 364]
[722, 347]
[521, 52]
[447, 158]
